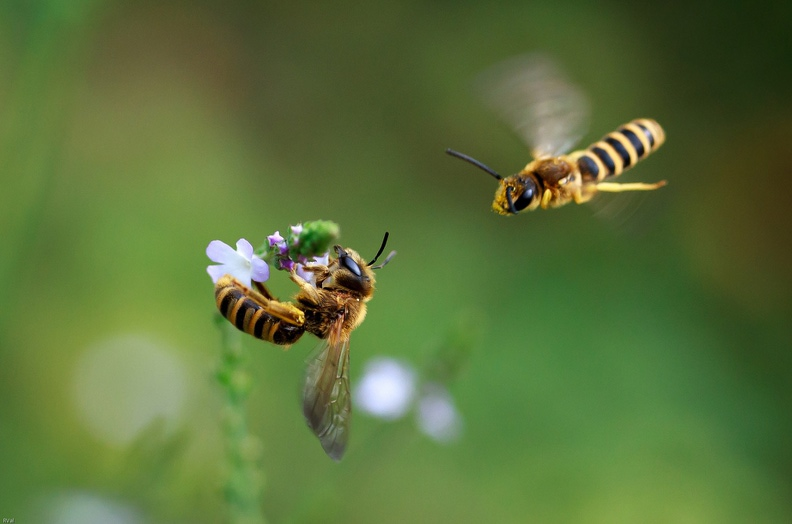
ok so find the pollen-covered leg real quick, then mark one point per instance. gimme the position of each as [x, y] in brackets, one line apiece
[583, 195]
[615, 187]
[286, 312]
[320, 271]
[546, 198]
[231, 295]
[308, 291]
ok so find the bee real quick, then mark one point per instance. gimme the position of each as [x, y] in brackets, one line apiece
[330, 309]
[550, 114]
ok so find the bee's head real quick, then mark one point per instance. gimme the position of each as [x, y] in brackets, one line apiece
[351, 272]
[516, 193]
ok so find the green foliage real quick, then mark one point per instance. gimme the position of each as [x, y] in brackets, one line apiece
[302, 242]
[315, 239]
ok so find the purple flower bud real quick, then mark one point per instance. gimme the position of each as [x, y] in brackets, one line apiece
[275, 239]
[285, 264]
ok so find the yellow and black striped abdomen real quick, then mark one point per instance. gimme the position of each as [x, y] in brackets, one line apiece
[619, 150]
[253, 313]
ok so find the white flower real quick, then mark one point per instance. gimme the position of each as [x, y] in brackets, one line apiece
[241, 264]
[437, 416]
[387, 388]
[310, 276]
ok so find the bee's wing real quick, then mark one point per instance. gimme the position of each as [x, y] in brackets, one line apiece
[532, 94]
[326, 399]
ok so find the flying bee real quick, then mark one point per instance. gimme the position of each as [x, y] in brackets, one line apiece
[550, 114]
[330, 309]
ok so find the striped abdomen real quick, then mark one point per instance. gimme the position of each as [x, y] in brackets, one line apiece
[619, 150]
[251, 313]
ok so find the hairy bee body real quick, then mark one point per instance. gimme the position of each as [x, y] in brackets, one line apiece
[332, 305]
[330, 308]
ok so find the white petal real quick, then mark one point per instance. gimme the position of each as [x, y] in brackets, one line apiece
[215, 272]
[219, 251]
[308, 276]
[259, 270]
[244, 248]
[240, 270]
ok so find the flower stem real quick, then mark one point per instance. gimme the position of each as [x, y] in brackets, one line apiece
[245, 479]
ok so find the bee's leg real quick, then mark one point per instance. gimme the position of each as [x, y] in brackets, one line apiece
[281, 310]
[307, 291]
[615, 187]
[285, 311]
[320, 272]
[546, 198]
[263, 290]
[278, 322]
[583, 195]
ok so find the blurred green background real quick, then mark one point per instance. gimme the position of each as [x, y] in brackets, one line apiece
[634, 368]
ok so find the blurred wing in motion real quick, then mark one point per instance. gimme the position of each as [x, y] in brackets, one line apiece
[326, 399]
[532, 94]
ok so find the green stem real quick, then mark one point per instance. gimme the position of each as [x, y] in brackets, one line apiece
[245, 480]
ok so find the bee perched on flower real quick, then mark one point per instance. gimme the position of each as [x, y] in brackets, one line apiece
[330, 304]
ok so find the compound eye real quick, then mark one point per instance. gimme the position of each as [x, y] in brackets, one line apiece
[351, 265]
[527, 196]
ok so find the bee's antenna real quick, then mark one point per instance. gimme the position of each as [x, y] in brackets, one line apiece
[381, 249]
[387, 259]
[474, 162]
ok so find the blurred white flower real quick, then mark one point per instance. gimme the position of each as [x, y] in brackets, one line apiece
[387, 388]
[436, 415]
[123, 384]
[84, 507]
[241, 264]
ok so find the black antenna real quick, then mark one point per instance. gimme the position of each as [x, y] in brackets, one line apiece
[381, 249]
[474, 162]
